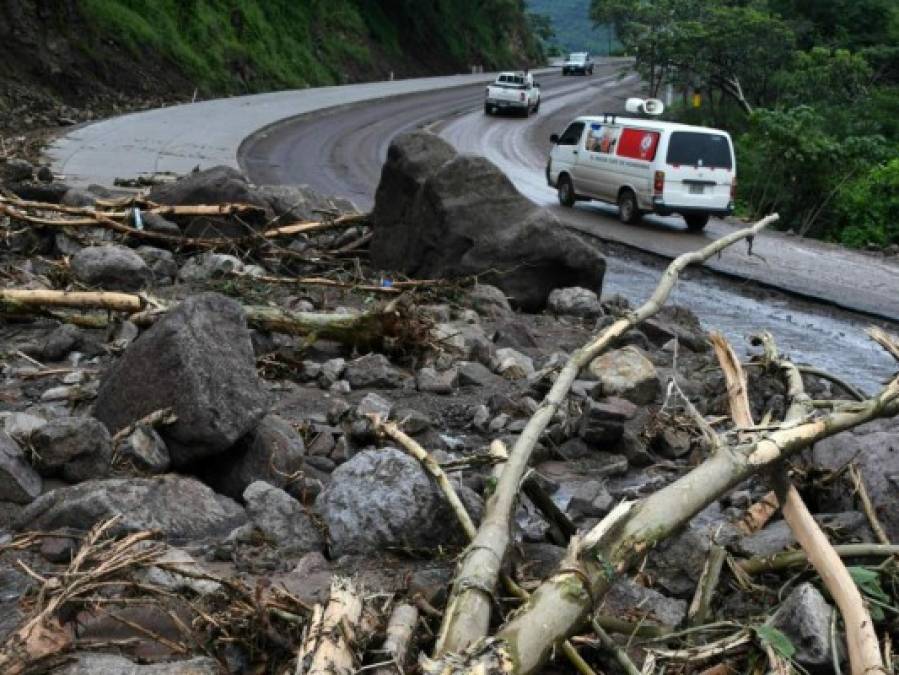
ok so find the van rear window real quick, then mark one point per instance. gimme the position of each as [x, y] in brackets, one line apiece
[694, 148]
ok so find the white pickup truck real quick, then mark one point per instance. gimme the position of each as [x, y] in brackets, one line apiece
[515, 92]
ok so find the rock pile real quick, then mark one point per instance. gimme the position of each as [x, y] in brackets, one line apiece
[255, 453]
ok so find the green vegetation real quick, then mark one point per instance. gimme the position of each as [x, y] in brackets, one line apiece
[572, 28]
[228, 46]
[810, 91]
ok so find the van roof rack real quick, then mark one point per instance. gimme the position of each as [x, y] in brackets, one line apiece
[606, 116]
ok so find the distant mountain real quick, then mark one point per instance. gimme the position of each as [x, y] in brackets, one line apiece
[573, 27]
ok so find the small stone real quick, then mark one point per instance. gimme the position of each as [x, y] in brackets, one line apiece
[625, 373]
[413, 421]
[310, 370]
[111, 267]
[374, 404]
[499, 423]
[341, 388]
[322, 444]
[805, 618]
[75, 448]
[209, 265]
[474, 374]
[579, 302]
[281, 518]
[514, 365]
[374, 371]
[325, 464]
[430, 381]
[602, 422]
[45, 174]
[58, 549]
[489, 301]
[589, 499]
[331, 371]
[481, 417]
[19, 482]
[145, 450]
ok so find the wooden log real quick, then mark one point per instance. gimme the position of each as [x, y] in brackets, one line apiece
[329, 644]
[400, 631]
[39, 298]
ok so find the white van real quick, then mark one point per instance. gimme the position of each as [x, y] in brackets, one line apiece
[645, 166]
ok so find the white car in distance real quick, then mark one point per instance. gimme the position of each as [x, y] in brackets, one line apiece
[513, 92]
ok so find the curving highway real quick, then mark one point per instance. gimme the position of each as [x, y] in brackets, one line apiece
[335, 139]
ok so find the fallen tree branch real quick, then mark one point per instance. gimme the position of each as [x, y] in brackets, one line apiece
[20, 300]
[400, 629]
[889, 342]
[787, 559]
[561, 604]
[467, 617]
[864, 648]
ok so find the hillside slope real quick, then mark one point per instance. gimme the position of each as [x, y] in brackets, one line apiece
[572, 25]
[101, 55]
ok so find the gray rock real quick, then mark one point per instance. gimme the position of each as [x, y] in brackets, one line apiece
[777, 536]
[209, 265]
[19, 483]
[474, 374]
[467, 340]
[45, 174]
[589, 499]
[77, 197]
[489, 301]
[57, 344]
[156, 223]
[626, 373]
[513, 365]
[514, 332]
[375, 371]
[804, 617]
[87, 663]
[111, 267]
[161, 262]
[14, 583]
[272, 452]
[674, 321]
[602, 422]
[292, 203]
[21, 425]
[331, 371]
[75, 448]
[429, 381]
[281, 518]
[197, 360]
[374, 404]
[481, 417]
[178, 574]
[217, 185]
[413, 421]
[438, 215]
[579, 302]
[875, 450]
[182, 509]
[145, 450]
[15, 170]
[383, 498]
[627, 598]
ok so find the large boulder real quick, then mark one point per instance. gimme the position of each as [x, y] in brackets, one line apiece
[383, 498]
[439, 215]
[111, 267]
[197, 360]
[182, 509]
[19, 483]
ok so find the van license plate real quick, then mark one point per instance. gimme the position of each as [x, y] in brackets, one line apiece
[696, 189]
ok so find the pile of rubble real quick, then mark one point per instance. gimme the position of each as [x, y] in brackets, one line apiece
[185, 483]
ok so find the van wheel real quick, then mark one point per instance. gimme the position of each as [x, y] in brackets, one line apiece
[628, 212]
[537, 108]
[696, 222]
[487, 109]
[566, 192]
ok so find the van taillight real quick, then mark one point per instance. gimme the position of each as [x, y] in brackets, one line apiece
[733, 189]
[658, 183]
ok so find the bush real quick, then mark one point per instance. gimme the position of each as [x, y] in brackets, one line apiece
[868, 208]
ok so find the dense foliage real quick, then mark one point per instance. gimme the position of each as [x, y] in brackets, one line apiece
[810, 90]
[572, 31]
[244, 45]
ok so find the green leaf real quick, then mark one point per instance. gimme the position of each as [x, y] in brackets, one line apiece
[868, 582]
[775, 639]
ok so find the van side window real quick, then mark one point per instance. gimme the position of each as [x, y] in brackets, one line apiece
[572, 134]
[638, 144]
[692, 148]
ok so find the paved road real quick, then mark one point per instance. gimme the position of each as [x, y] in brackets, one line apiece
[338, 139]
[178, 138]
